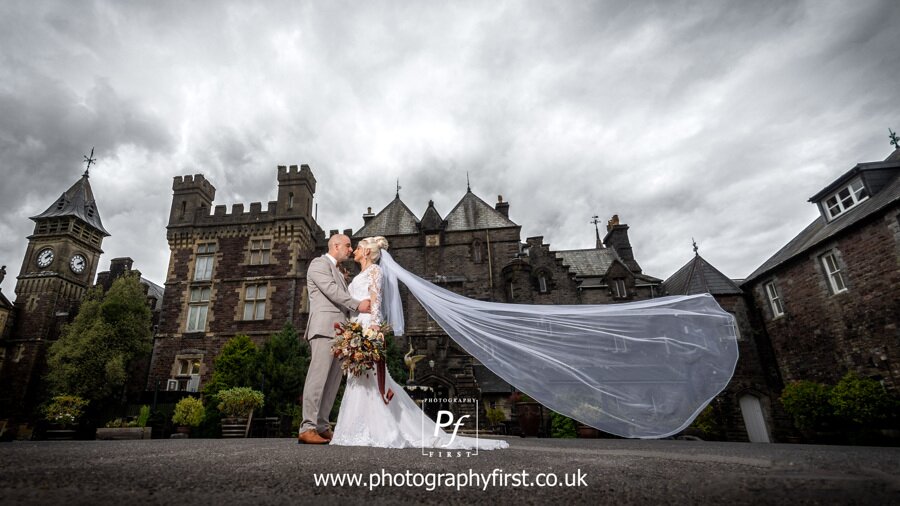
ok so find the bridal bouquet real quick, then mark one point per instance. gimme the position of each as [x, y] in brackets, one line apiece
[358, 349]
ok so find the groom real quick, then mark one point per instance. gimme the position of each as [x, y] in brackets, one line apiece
[329, 303]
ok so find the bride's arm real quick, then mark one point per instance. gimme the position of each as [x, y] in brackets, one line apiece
[375, 296]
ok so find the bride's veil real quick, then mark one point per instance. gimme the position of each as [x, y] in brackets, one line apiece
[642, 369]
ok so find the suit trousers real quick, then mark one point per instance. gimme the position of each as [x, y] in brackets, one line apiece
[323, 379]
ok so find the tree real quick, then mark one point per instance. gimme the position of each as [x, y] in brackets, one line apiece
[92, 355]
[236, 366]
[283, 362]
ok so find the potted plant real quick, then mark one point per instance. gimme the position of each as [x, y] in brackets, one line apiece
[495, 416]
[529, 414]
[237, 405]
[121, 428]
[189, 412]
[63, 412]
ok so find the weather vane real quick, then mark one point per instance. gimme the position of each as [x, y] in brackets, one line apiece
[595, 220]
[893, 136]
[695, 246]
[398, 187]
[89, 159]
[468, 186]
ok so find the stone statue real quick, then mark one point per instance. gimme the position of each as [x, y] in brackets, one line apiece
[410, 360]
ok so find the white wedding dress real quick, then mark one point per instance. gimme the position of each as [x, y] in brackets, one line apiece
[364, 418]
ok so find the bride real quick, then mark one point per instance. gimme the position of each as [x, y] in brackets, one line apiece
[365, 419]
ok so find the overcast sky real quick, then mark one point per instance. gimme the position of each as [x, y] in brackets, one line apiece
[708, 120]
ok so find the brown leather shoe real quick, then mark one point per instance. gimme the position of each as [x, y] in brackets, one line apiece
[310, 437]
[326, 434]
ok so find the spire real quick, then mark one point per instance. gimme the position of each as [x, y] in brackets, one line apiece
[77, 201]
[468, 186]
[398, 188]
[595, 220]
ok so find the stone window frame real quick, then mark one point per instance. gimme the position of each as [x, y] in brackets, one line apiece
[477, 251]
[255, 302]
[259, 250]
[775, 299]
[185, 379]
[543, 281]
[854, 193]
[198, 306]
[735, 326]
[831, 265]
[618, 288]
[205, 251]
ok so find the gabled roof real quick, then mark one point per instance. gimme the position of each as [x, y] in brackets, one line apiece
[77, 201]
[154, 290]
[821, 230]
[431, 220]
[698, 276]
[472, 213]
[587, 263]
[394, 219]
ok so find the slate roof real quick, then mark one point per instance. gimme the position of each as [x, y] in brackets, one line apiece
[699, 276]
[489, 382]
[472, 213]
[821, 230]
[154, 290]
[77, 201]
[431, 220]
[588, 262]
[394, 219]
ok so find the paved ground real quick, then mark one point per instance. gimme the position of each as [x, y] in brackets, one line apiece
[278, 471]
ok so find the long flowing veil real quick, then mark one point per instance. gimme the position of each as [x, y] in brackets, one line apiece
[641, 370]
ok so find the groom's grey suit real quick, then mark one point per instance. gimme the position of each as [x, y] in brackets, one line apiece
[329, 303]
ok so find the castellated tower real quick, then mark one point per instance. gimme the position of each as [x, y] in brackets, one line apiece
[231, 273]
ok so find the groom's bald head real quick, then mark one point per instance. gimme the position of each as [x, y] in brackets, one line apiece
[339, 247]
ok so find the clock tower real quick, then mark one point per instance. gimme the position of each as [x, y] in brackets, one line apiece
[59, 266]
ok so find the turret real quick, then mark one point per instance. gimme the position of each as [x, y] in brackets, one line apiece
[296, 187]
[192, 196]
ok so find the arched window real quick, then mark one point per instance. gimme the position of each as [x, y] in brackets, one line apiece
[543, 285]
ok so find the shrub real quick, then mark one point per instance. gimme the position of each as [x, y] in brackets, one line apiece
[494, 415]
[861, 401]
[143, 416]
[562, 426]
[239, 401]
[65, 409]
[189, 411]
[808, 403]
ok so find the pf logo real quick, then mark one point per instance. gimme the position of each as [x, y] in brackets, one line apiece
[441, 423]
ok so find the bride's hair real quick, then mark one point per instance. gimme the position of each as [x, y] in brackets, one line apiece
[375, 245]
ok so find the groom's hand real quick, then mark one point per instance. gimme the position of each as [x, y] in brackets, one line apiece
[364, 306]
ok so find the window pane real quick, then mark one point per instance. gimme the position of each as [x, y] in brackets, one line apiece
[201, 319]
[267, 244]
[248, 310]
[204, 294]
[251, 292]
[839, 282]
[260, 310]
[195, 294]
[261, 292]
[265, 257]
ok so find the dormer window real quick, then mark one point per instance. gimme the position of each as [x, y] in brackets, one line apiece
[845, 199]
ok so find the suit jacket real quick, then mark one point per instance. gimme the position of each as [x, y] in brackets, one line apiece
[329, 301]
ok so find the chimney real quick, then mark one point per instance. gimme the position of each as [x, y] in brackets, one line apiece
[617, 238]
[368, 216]
[502, 207]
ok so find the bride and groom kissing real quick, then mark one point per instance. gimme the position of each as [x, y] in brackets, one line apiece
[365, 419]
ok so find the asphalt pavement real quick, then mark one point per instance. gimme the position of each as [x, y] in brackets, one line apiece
[532, 471]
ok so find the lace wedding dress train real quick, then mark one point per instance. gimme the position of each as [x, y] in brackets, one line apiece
[364, 418]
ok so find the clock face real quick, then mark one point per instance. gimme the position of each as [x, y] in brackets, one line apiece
[45, 258]
[77, 264]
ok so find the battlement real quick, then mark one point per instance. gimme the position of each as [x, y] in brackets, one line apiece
[193, 183]
[294, 174]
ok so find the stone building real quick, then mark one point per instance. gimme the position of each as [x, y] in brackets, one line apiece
[477, 251]
[242, 272]
[829, 300]
[60, 263]
[59, 266]
[748, 409]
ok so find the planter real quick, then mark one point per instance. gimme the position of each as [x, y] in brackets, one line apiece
[529, 415]
[234, 427]
[117, 433]
[59, 433]
[587, 432]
